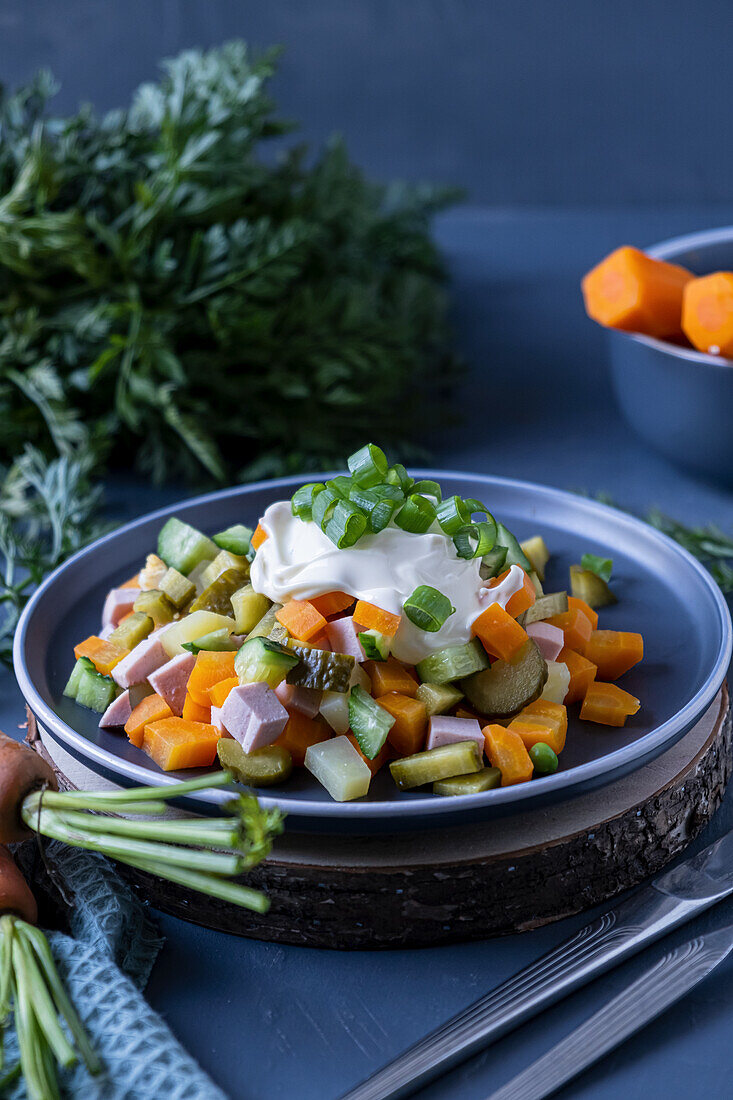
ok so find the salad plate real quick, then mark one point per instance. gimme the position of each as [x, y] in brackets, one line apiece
[663, 593]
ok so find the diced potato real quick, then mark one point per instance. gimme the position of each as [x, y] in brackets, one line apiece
[536, 550]
[191, 627]
[335, 704]
[558, 682]
[339, 768]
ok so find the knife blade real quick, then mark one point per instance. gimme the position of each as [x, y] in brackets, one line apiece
[649, 996]
[670, 900]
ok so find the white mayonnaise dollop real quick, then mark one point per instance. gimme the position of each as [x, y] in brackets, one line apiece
[297, 561]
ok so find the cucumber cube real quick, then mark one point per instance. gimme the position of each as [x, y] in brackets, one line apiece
[182, 547]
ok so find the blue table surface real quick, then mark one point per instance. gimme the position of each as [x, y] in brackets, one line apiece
[285, 1022]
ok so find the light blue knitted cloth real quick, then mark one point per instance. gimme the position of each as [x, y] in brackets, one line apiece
[105, 964]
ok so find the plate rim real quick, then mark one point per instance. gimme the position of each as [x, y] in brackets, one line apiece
[593, 772]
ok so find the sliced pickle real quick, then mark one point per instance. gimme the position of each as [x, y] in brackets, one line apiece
[261, 768]
[177, 588]
[269, 627]
[321, 669]
[132, 629]
[438, 698]
[485, 780]
[155, 604]
[433, 765]
[588, 586]
[554, 603]
[506, 687]
[217, 596]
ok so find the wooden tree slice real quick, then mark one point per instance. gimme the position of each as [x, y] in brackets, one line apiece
[461, 883]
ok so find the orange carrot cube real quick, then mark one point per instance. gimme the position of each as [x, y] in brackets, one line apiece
[375, 618]
[331, 603]
[103, 654]
[582, 673]
[608, 704]
[218, 692]
[258, 537]
[614, 652]
[576, 627]
[194, 712]
[150, 709]
[211, 668]
[300, 733]
[390, 675]
[175, 743]
[500, 634]
[506, 751]
[575, 603]
[407, 735]
[301, 619]
[631, 291]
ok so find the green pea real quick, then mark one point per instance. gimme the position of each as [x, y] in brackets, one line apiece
[543, 759]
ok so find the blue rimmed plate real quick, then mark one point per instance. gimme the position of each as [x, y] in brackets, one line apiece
[663, 593]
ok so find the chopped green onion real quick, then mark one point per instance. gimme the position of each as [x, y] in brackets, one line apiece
[368, 465]
[381, 514]
[302, 500]
[452, 514]
[475, 506]
[398, 475]
[341, 486]
[475, 539]
[323, 507]
[428, 489]
[380, 503]
[428, 608]
[416, 515]
[346, 526]
[602, 567]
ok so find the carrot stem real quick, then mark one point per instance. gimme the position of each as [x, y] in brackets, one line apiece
[217, 888]
[218, 833]
[31, 979]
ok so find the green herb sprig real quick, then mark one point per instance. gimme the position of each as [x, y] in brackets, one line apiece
[206, 306]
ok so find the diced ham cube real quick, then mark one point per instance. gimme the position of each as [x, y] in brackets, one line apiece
[294, 697]
[449, 731]
[117, 712]
[343, 637]
[550, 639]
[119, 602]
[170, 681]
[217, 721]
[140, 662]
[254, 715]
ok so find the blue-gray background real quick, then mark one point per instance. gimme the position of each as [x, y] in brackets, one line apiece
[563, 102]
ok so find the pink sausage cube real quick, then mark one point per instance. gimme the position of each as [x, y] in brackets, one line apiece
[217, 721]
[254, 715]
[343, 637]
[140, 663]
[550, 639]
[294, 697]
[449, 731]
[119, 602]
[171, 680]
[117, 712]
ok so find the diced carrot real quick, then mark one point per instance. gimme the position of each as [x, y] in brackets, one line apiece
[542, 721]
[258, 537]
[608, 704]
[331, 603]
[379, 760]
[631, 291]
[614, 652]
[506, 751]
[501, 635]
[375, 618]
[576, 626]
[150, 709]
[212, 666]
[218, 692]
[411, 720]
[194, 712]
[301, 619]
[175, 743]
[707, 313]
[300, 733]
[575, 603]
[134, 582]
[582, 673]
[522, 600]
[390, 675]
[104, 655]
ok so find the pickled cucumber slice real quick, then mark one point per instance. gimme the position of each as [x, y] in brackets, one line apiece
[461, 758]
[536, 550]
[485, 780]
[453, 663]
[156, 605]
[506, 687]
[321, 669]
[269, 627]
[221, 563]
[249, 607]
[438, 698]
[261, 768]
[217, 597]
[177, 588]
[131, 631]
[554, 603]
[588, 586]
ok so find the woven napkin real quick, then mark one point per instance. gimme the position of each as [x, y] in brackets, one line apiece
[105, 964]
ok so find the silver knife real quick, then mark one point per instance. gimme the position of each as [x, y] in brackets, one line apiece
[671, 899]
[641, 1002]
